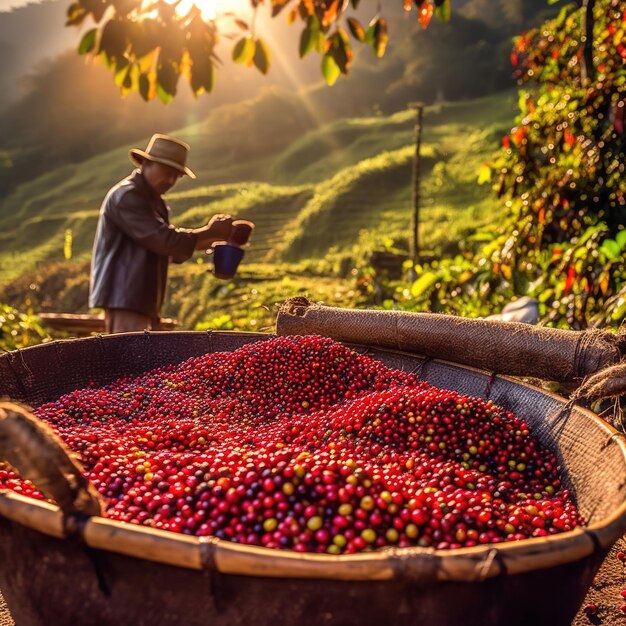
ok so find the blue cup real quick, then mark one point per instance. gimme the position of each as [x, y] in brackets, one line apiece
[226, 259]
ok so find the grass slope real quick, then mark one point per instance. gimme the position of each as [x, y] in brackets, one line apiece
[311, 193]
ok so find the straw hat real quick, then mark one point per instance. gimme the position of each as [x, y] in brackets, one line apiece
[164, 149]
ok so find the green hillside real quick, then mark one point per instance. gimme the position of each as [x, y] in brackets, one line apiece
[314, 194]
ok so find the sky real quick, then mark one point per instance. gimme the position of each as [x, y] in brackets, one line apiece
[7, 5]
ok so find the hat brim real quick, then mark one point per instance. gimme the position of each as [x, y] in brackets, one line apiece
[138, 156]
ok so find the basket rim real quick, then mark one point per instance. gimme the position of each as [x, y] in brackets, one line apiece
[417, 563]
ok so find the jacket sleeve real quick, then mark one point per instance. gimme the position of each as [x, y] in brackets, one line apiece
[140, 221]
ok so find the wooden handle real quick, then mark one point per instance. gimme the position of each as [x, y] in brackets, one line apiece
[38, 454]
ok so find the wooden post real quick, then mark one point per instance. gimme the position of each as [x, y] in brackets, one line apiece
[588, 70]
[415, 249]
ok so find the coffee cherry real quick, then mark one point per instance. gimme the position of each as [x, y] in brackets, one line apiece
[591, 609]
[302, 444]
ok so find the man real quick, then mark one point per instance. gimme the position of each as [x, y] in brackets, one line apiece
[135, 242]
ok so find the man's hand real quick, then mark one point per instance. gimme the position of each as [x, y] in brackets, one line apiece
[217, 229]
[220, 225]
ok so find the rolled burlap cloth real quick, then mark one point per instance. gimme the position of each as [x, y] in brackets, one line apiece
[592, 357]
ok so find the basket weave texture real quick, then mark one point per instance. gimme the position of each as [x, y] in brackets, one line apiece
[515, 584]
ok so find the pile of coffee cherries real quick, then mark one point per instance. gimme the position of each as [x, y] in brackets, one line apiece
[303, 444]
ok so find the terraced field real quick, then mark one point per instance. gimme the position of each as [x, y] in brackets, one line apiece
[343, 188]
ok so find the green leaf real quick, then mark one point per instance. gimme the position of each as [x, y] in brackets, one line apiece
[143, 37]
[278, 6]
[480, 237]
[309, 36]
[202, 74]
[381, 37]
[127, 83]
[162, 95]
[358, 32]
[442, 10]
[423, 284]
[522, 102]
[545, 295]
[113, 39]
[167, 79]
[75, 14]
[320, 42]
[262, 58]
[340, 50]
[619, 312]
[330, 69]
[484, 174]
[144, 87]
[88, 42]
[620, 238]
[105, 60]
[244, 50]
[96, 7]
[122, 67]
[561, 16]
[307, 42]
[611, 248]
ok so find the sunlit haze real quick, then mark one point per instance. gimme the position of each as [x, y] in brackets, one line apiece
[211, 9]
[8, 5]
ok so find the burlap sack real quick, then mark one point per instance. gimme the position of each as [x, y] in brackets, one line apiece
[499, 347]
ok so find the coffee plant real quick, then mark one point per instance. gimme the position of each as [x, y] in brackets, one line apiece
[561, 174]
[18, 330]
[149, 45]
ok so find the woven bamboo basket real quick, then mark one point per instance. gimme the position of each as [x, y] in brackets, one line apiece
[59, 567]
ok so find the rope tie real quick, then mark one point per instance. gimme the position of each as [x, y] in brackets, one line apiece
[609, 383]
[16, 375]
[210, 572]
[597, 546]
[100, 345]
[565, 412]
[612, 439]
[148, 346]
[98, 563]
[23, 362]
[593, 342]
[490, 381]
[59, 347]
[483, 567]
[620, 340]
[414, 568]
[297, 305]
[419, 369]
[208, 549]
[210, 336]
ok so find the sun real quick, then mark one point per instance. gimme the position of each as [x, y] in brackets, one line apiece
[212, 9]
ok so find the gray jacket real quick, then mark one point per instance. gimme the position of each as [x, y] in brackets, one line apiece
[133, 246]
